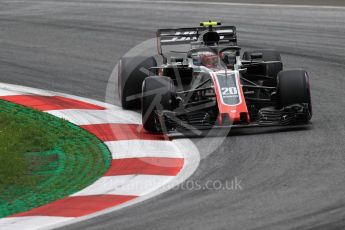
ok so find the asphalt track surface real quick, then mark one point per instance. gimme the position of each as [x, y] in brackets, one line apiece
[291, 179]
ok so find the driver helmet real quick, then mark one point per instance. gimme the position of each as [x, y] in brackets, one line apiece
[209, 59]
[228, 57]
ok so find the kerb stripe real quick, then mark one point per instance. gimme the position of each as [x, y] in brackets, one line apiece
[146, 165]
[47, 103]
[117, 132]
[76, 206]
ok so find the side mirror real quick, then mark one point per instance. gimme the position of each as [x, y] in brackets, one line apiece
[243, 71]
[256, 56]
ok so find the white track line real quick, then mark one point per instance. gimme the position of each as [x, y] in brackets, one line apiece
[6, 92]
[21, 90]
[214, 3]
[31, 222]
[87, 117]
[129, 148]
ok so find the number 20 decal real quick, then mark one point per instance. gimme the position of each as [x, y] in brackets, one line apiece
[226, 91]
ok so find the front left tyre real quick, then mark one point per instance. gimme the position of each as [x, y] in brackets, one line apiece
[131, 73]
[158, 94]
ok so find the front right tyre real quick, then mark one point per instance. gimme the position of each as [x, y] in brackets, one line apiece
[272, 69]
[294, 88]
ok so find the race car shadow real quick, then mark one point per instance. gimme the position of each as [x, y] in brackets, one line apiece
[240, 131]
[268, 130]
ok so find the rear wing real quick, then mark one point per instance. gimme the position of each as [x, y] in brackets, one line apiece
[188, 35]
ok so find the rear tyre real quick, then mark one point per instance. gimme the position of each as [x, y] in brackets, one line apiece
[131, 77]
[158, 93]
[272, 69]
[294, 88]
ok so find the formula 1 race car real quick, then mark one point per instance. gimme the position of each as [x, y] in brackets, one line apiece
[209, 85]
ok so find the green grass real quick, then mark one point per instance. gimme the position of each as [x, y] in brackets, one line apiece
[44, 158]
